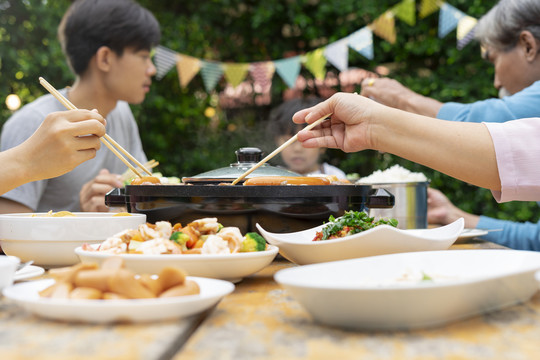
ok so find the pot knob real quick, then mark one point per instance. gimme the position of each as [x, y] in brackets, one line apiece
[248, 155]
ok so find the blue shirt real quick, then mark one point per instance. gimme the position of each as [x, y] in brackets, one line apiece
[523, 104]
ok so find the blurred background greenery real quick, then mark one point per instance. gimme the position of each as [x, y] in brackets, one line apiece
[179, 132]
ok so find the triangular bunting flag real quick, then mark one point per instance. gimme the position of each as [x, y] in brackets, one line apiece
[385, 27]
[316, 62]
[337, 53]
[187, 67]
[449, 18]
[288, 69]
[406, 11]
[235, 73]
[164, 59]
[211, 72]
[428, 7]
[262, 73]
[465, 31]
[362, 42]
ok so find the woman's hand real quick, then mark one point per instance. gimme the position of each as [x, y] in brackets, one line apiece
[349, 127]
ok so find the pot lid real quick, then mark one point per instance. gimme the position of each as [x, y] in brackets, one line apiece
[246, 158]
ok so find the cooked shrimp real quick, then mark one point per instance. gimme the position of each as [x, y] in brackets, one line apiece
[233, 236]
[205, 225]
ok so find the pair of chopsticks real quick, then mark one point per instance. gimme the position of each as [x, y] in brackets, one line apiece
[128, 174]
[278, 150]
[106, 139]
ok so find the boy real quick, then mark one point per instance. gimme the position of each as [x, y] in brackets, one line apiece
[107, 44]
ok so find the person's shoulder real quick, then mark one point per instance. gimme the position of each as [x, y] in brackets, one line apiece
[32, 114]
[333, 170]
[121, 111]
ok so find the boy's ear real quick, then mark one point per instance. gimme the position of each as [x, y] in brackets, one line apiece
[103, 58]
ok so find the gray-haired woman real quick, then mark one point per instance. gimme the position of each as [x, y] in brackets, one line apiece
[510, 37]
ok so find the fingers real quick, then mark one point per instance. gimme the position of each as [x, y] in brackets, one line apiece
[313, 113]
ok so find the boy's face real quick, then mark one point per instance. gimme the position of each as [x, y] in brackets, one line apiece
[297, 158]
[130, 76]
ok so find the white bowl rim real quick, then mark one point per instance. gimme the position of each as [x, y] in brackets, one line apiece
[271, 250]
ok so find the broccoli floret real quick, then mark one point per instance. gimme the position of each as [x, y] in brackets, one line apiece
[180, 238]
[253, 242]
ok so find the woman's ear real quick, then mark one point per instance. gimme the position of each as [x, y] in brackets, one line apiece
[529, 44]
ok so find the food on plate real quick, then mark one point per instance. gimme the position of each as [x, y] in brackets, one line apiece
[410, 276]
[54, 214]
[352, 222]
[288, 180]
[123, 213]
[113, 281]
[145, 180]
[202, 236]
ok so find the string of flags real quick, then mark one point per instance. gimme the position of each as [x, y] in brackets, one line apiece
[336, 53]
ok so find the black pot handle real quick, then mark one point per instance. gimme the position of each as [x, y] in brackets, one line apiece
[380, 199]
[115, 198]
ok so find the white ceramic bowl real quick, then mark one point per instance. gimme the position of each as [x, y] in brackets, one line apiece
[300, 248]
[364, 293]
[51, 241]
[8, 266]
[231, 267]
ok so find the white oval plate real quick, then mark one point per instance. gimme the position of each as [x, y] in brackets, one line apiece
[364, 294]
[472, 233]
[108, 311]
[300, 248]
[231, 267]
[28, 272]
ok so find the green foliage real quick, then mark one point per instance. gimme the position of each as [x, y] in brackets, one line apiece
[173, 125]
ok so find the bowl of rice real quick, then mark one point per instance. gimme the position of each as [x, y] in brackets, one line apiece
[410, 193]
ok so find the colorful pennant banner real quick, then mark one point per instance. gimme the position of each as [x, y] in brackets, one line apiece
[336, 53]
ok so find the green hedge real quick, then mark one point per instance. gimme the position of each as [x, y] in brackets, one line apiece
[172, 121]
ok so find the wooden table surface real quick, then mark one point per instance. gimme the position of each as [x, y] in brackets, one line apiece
[260, 320]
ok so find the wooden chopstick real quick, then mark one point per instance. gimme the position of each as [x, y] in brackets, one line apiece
[128, 174]
[105, 139]
[279, 149]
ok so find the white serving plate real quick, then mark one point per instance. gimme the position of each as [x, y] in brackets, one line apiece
[363, 294]
[28, 272]
[50, 241]
[300, 248]
[472, 233]
[109, 311]
[231, 267]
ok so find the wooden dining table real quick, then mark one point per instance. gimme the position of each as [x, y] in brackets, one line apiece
[260, 320]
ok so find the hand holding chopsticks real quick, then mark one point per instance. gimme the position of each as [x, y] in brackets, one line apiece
[279, 149]
[106, 139]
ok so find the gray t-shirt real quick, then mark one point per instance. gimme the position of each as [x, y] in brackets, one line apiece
[62, 193]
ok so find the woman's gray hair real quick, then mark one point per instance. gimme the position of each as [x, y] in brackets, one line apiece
[501, 26]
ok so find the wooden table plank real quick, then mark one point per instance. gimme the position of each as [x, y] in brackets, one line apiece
[260, 320]
[24, 336]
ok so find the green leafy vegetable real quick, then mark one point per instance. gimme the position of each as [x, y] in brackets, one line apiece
[352, 222]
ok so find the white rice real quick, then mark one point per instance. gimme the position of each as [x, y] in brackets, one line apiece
[394, 174]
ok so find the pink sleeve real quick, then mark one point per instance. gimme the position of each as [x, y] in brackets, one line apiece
[517, 148]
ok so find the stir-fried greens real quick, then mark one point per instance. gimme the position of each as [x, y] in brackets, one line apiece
[351, 222]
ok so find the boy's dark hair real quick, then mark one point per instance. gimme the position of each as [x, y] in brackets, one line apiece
[280, 119]
[117, 24]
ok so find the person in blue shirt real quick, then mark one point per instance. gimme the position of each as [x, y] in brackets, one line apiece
[510, 37]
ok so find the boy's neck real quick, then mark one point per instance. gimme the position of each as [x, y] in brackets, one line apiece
[87, 93]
